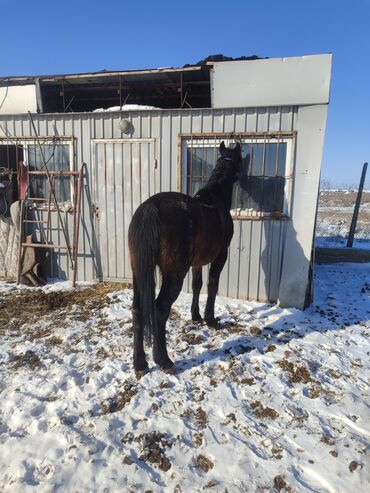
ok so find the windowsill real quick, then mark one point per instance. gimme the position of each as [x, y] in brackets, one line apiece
[62, 206]
[255, 217]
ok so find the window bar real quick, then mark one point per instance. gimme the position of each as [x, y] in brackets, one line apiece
[215, 150]
[237, 193]
[202, 165]
[261, 207]
[277, 161]
[249, 175]
[190, 191]
[30, 153]
[56, 183]
[16, 159]
[48, 220]
[7, 157]
[205, 164]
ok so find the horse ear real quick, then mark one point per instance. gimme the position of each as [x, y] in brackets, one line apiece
[222, 148]
[237, 147]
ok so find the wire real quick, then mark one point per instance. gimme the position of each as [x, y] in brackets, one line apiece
[6, 95]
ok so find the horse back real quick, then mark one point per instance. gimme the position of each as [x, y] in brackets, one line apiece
[192, 233]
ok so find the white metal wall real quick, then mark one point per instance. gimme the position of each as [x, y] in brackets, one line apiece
[113, 175]
[296, 80]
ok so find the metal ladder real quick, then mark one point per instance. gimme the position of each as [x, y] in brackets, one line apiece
[53, 206]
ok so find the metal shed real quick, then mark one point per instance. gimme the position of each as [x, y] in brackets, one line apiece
[277, 107]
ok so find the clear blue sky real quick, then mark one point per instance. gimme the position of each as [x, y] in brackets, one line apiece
[43, 37]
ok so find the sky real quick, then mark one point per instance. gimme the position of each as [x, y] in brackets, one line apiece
[48, 37]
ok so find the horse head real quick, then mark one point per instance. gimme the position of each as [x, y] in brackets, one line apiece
[234, 156]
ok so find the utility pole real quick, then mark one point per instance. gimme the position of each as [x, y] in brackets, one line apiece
[352, 229]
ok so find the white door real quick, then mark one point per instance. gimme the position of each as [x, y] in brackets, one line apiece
[124, 178]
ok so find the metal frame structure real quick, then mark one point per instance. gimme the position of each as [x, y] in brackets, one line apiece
[52, 206]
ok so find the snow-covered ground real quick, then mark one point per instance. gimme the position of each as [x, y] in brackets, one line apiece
[340, 242]
[278, 400]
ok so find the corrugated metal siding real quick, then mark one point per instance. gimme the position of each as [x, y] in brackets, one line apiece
[254, 264]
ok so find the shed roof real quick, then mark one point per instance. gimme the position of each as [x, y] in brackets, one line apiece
[167, 87]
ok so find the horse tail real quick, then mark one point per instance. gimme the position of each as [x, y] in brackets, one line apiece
[144, 238]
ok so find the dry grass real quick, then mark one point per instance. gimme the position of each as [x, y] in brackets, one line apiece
[27, 306]
[281, 485]
[296, 373]
[154, 446]
[120, 401]
[335, 213]
[203, 463]
[262, 412]
[199, 418]
[28, 359]
[341, 198]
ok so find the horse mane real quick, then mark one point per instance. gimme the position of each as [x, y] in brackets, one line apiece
[221, 172]
[214, 189]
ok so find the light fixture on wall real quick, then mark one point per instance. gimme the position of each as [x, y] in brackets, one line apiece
[125, 126]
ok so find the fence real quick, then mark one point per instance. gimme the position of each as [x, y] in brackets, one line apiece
[335, 215]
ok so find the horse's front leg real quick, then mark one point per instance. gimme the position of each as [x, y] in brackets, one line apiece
[197, 286]
[213, 280]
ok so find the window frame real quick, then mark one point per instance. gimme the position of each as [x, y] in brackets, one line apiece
[25, 142]
[198, 140]
[52, 142]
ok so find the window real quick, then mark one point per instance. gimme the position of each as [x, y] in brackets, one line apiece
[263, 188]
[10, 156]
[58, 159]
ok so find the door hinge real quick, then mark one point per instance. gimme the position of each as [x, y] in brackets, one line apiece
[96, 211]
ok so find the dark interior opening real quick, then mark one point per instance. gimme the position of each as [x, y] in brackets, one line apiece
[10, 157]
[165, 90]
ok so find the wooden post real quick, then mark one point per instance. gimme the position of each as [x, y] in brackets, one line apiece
[76, 220]
[357, 208]
[20, 240]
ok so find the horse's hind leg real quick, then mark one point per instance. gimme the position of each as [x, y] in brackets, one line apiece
[197, 286]
[140, 363]
[170, 289]
[213, 279]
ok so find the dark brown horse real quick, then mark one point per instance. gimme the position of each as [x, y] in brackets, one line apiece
[176, 232]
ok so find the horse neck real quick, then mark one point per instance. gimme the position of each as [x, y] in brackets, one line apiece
[227, 194]
[223, 188]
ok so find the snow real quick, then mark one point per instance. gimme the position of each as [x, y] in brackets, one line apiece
[340, 242]
[275, 401]
[342, 190]
[127, 107]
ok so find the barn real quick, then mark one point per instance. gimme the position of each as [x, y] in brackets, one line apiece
[109, 140]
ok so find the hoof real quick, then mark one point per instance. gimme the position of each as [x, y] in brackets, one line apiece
[140, 373]
[213, 323]
[170, 370]
[165, 365]
[197, 319]
[141, 369]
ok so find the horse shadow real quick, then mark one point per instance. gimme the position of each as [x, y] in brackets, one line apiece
[321, 318]
[270, 337]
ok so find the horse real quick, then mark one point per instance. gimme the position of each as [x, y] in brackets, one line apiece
[175, 232]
